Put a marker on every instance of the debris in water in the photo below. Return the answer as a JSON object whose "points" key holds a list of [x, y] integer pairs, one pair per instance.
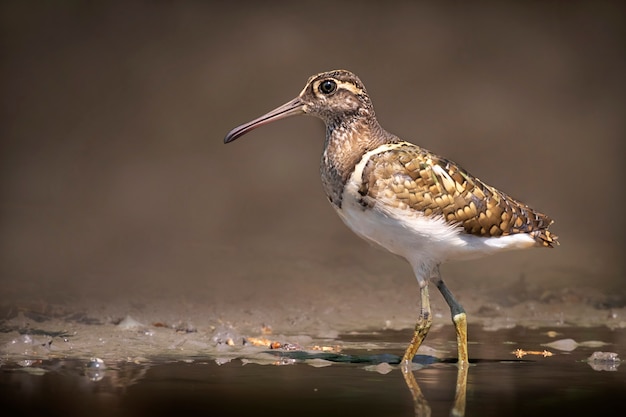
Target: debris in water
{"points": [[288, 346], [261, 341], [318, 363], [604, 361], [29, 362], [94, 370], [520, 353], [224, 337], [566, 345], [96, 363], [272, 344], [381, 368], [334, 349]]}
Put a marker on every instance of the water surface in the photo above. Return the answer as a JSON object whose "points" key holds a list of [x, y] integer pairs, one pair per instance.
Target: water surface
{"points": [[360, 380]]}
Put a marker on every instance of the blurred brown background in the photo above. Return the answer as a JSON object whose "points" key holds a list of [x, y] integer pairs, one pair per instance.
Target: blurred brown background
{"points": [[115, 184]]}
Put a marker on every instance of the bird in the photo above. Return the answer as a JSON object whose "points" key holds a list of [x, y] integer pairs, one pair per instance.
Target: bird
{"points": [[410, 201]]}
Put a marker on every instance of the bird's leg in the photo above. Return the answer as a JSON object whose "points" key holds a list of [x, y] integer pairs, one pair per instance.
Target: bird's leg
{"points": [[458, 318], [421, 327]]}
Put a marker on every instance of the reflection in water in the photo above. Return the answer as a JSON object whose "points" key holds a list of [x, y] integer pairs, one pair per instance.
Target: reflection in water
{"points": [[308, 383], [422, 409], [356, 381]]}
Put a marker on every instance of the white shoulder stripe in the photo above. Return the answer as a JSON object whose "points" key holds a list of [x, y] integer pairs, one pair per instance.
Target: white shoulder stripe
{"points": [[357, 175]]}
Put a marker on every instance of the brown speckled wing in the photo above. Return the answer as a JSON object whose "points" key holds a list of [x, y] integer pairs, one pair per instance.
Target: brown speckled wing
{"points": [[412, 178]]}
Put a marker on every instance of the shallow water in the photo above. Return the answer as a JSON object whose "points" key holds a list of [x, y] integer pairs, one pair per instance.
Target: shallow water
{"points": [[362, 379]]}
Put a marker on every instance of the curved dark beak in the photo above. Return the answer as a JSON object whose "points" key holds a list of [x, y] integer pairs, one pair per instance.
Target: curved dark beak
{"points": [[291, 108]]}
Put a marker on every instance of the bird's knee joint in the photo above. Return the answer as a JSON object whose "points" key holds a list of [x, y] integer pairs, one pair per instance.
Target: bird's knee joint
{"points": [[459, 317]]}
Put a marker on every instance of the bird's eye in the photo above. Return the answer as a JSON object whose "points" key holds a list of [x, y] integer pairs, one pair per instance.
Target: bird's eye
{"points": [[327, 87]]}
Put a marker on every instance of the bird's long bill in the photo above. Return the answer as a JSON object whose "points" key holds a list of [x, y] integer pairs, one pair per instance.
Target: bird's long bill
{"points": [[291, 108]]}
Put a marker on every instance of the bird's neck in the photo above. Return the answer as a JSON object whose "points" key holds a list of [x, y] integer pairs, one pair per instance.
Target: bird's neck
{"points": [[347, 140]]}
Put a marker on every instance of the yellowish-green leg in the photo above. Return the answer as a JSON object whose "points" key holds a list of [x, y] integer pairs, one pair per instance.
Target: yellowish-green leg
{"points": [[421, 330], [422, 409], [422, 326], [459, 319], [460, 325]]}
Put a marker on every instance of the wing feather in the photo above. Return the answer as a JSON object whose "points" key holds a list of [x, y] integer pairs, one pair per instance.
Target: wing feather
{"points": [[412, 178]]}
